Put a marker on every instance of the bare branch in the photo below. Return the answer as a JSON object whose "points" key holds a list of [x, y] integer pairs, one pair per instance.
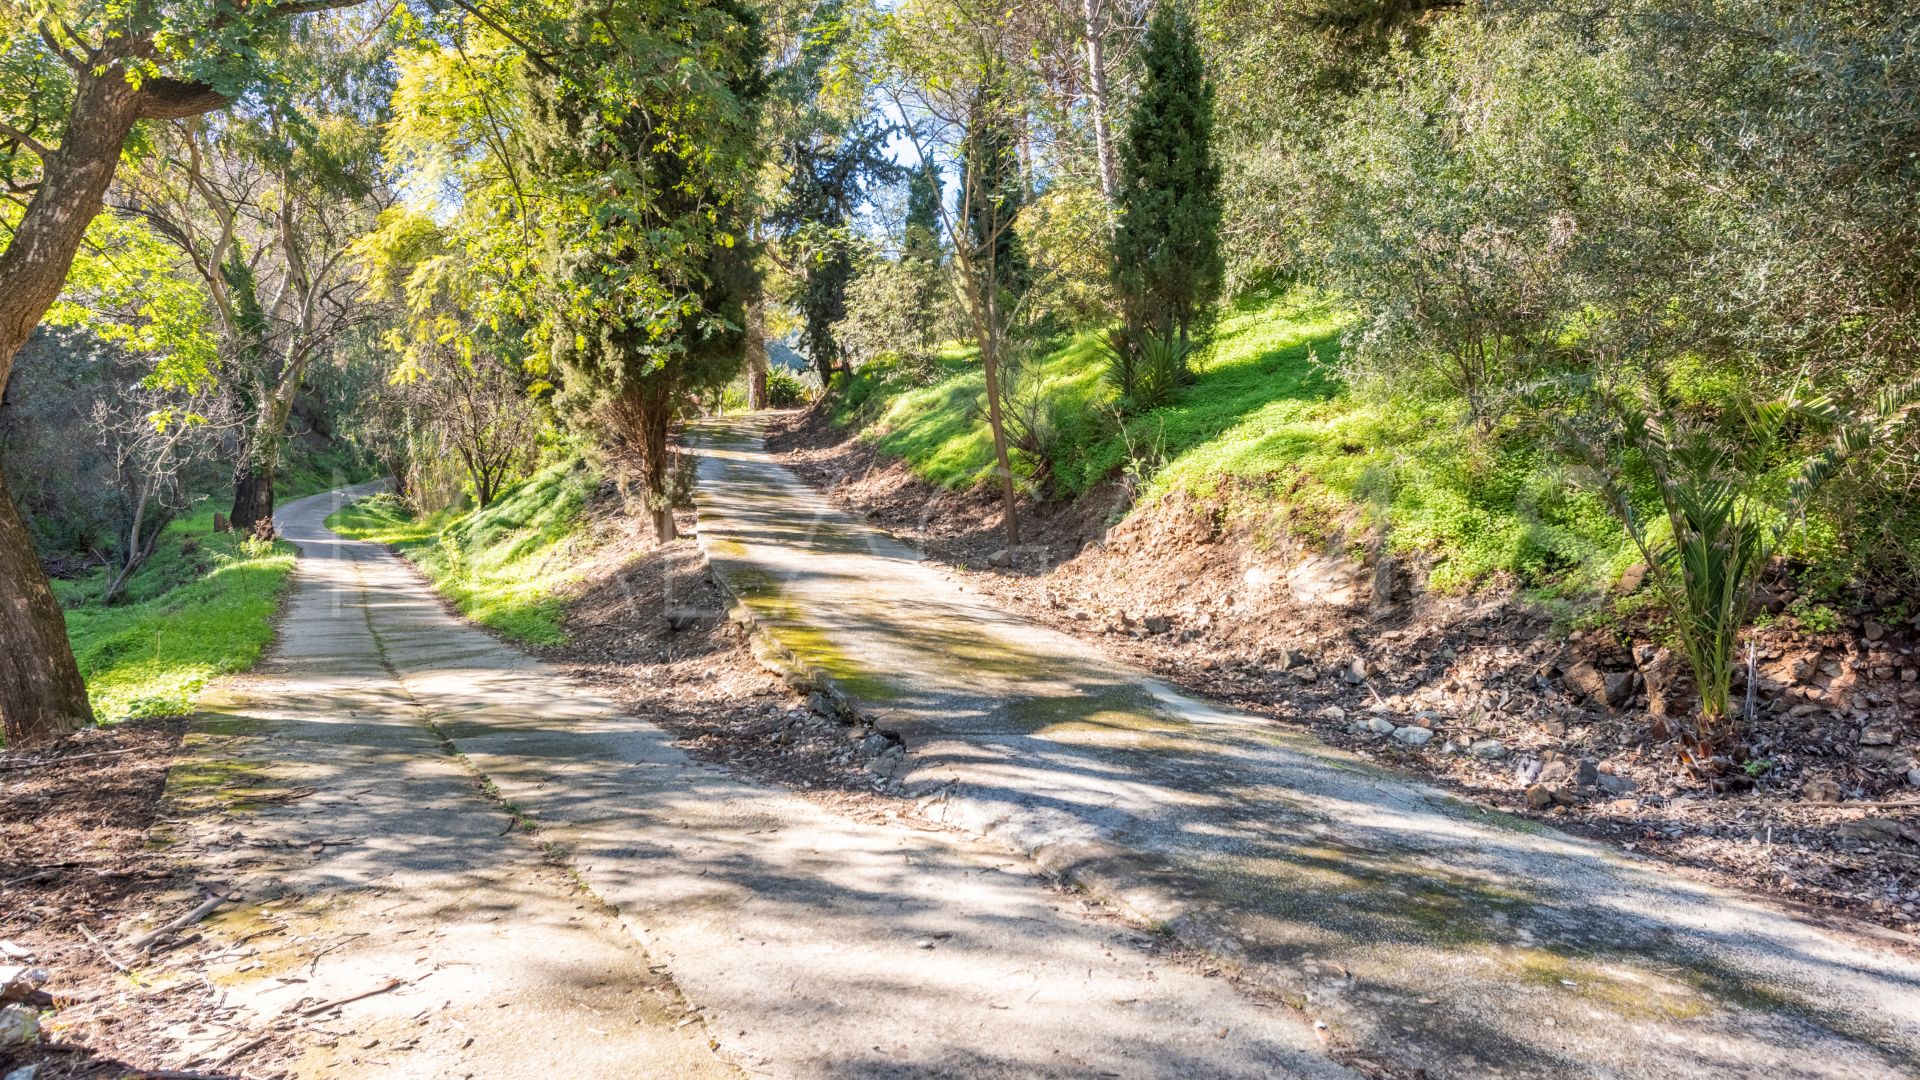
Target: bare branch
{"points": [[24, 139], [66, 55]]}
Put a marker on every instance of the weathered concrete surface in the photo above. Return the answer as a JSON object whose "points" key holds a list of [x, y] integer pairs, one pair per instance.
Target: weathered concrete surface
{"points": [[1424, 930], [811, 946], [362, 852]]}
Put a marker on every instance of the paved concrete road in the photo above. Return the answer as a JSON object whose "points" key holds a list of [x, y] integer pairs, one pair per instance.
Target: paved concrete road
{"points": [[808, 945], [1422, 929]]}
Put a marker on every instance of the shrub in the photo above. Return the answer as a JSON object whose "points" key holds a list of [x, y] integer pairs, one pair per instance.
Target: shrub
{"points": [[1731, 488], [786, 388], [1145, 370]]}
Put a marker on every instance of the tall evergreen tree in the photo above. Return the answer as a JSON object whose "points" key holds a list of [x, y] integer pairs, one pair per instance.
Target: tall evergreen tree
{"points": [[920, 238], [1167, 265], [833, 157], [996, 191], [920, 250], [644, 135]]}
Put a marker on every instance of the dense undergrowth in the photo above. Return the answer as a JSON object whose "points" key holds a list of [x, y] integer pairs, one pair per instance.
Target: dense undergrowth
{"points": [[1266, 424], [505, 566]]}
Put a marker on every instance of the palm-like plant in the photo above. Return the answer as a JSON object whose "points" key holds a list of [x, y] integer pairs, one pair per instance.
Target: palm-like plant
{"points": [[1146, 368], [1725, 522]]}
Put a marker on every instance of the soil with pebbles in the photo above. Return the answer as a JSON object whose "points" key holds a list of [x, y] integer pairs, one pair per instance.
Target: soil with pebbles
{"points": [[648, 627], [1272, 616]]}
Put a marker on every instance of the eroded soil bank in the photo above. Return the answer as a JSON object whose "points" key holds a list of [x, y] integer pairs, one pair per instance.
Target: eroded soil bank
{"points": [[1251, 613]]}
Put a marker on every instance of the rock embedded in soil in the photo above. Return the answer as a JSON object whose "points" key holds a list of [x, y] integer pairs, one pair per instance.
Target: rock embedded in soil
{"points": [[1413, 736], [1585, 682], [18, 981], [1587, 773], [1821, 789], [1619, 687], [1539, 796], [18, 1024], [1869, 830], [1490, 749], [1380, 725], [1618, 785]]}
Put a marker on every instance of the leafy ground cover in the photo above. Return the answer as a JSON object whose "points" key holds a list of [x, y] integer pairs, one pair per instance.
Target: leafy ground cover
{"points": [[505, 566], [1266, 422]]}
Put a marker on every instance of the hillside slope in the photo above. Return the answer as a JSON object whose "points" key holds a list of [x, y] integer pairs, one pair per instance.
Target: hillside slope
{"points": [[1267, 424], [1302, 551]]}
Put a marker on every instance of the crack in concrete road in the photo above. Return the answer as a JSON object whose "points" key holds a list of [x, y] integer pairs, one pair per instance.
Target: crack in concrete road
{"points": [[1426, 931], [803, 943]]}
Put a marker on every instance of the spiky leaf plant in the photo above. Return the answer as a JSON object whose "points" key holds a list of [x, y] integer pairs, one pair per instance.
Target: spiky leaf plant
{"points": [[1725, 519]]}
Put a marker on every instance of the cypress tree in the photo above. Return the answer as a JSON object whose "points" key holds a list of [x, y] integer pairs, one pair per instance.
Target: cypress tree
{"points": [[645, 183], [998, 191], [1167, 265], [920, 239], [920, 252]]}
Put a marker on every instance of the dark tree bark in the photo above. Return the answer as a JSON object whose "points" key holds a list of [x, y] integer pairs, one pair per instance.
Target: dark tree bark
{"points": [[642, 419], [252, 496], [41, 692], [756, 350]]}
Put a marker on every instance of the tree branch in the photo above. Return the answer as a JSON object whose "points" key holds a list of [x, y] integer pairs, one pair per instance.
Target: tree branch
{"points": [[162, 98], [26, 140], [66, 55]]}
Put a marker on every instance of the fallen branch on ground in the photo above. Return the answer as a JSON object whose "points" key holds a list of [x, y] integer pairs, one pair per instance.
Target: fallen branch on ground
{"points": [[206, 907], [315, 1010], [238, 1050], [104, 951], [6, 767]]}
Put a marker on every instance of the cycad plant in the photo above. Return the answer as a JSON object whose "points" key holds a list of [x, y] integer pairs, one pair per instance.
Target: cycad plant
{"points": [[1717, 481], [1145, 368]]}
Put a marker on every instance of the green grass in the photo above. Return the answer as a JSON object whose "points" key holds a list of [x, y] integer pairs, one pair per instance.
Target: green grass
{"points": [[1267, 428], [504, 567], [200, 608], [311, 472]]}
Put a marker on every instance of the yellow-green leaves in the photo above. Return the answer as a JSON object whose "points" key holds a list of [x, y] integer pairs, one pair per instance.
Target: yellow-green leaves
{"points": [[124, 289]]}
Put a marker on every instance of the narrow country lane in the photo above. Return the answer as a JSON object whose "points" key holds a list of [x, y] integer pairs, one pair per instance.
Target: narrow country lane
{"points": [[1423, 930], [335, 788]]}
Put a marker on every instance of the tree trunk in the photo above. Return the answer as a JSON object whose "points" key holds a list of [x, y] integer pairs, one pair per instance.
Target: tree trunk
{"points": [[1092, 13], [41, 692], [252, 495], [756, 349], [659, 473], [990, 362]]}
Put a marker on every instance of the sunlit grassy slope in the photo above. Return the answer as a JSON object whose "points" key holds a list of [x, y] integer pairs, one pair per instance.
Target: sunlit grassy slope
{"points": [[1266, 425], [203, 606], [503, 566]]}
